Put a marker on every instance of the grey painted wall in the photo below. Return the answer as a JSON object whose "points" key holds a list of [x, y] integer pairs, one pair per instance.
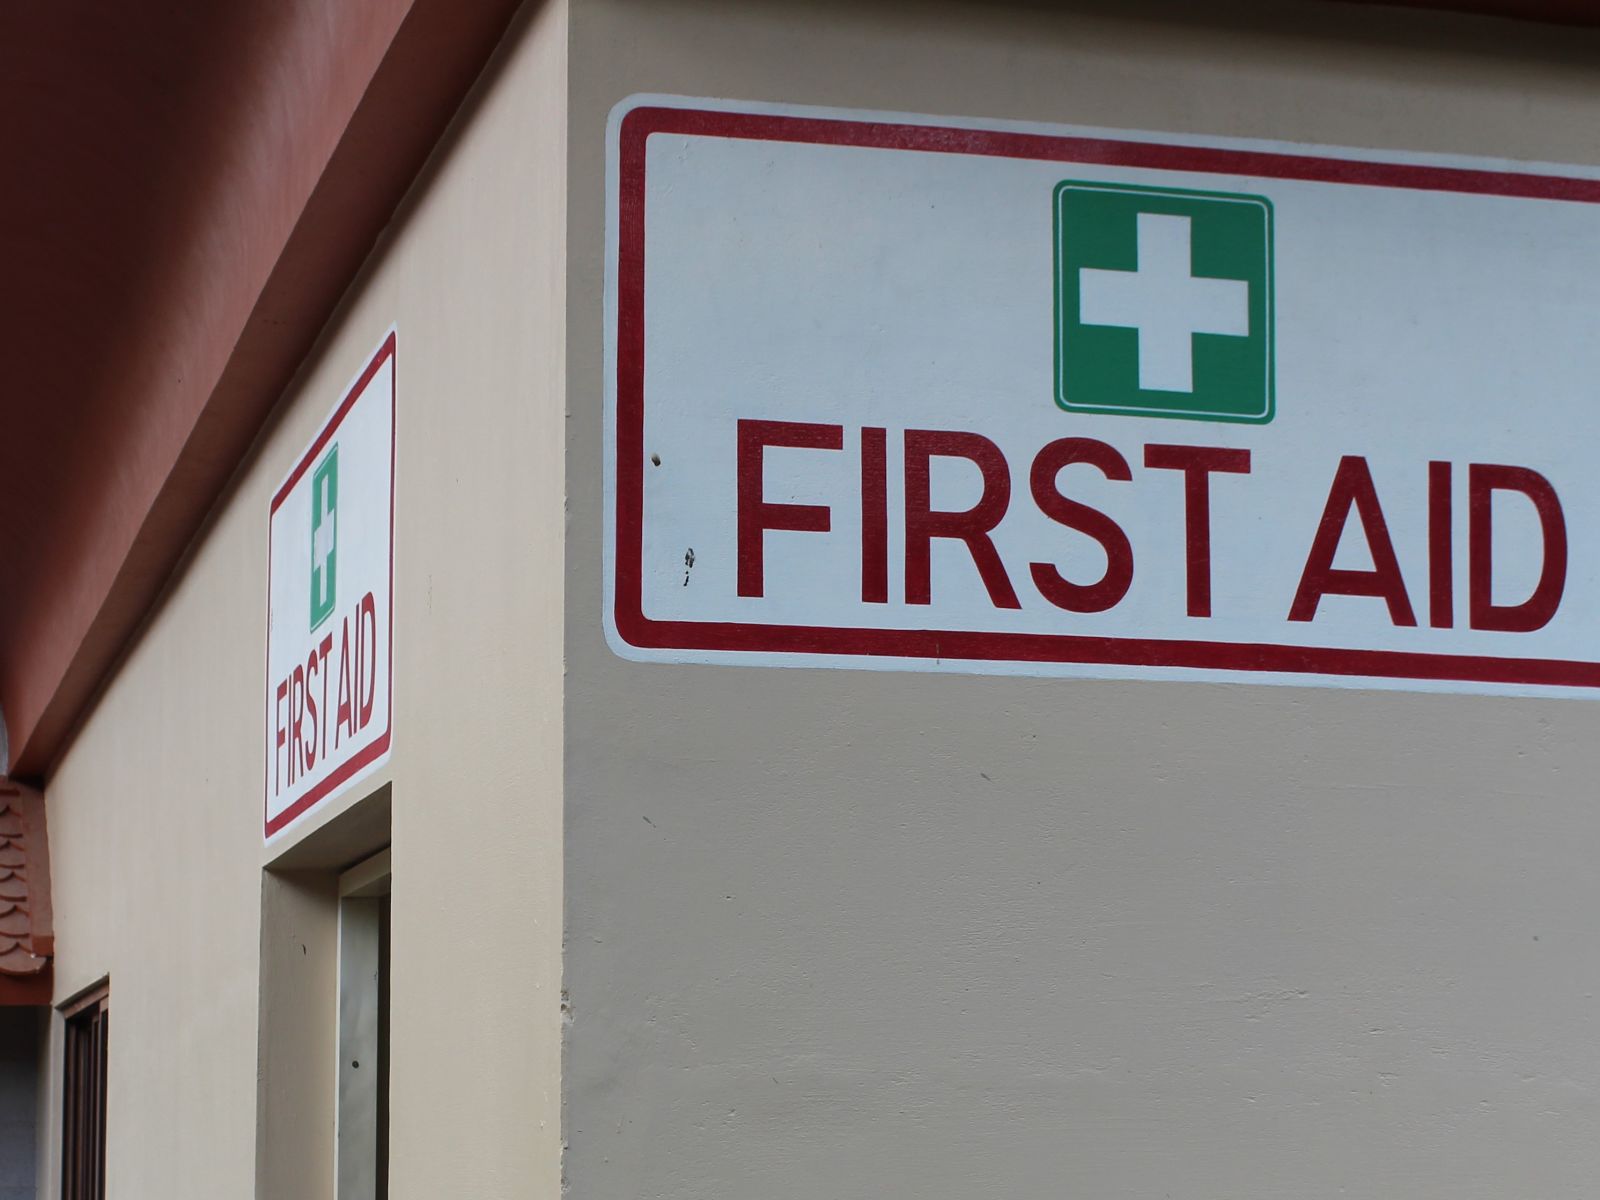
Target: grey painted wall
{"points": [[848, 934], [19, 1098]]}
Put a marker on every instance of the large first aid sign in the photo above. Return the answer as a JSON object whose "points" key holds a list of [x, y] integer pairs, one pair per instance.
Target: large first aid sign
{"points": [[911, 393], [330, 602]]}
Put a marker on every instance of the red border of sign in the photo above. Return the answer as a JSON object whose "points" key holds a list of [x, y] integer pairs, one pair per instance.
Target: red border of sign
{"points": [[640, 631], [379, 746]]}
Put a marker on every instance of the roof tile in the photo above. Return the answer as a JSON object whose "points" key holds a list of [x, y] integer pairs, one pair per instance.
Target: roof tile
{"points": [[15, 960], [26, 938]]}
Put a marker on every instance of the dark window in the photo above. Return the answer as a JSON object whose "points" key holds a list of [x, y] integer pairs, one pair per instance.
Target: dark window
{"points": [[83, 1125], [383, 1052]]}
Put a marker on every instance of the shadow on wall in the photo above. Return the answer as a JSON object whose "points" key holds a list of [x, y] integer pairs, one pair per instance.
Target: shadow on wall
{"points": [[19, 1065]]}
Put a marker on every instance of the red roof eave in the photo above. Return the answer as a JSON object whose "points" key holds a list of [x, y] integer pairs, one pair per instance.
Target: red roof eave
{"points": [[1551, 12], [203, 183]]}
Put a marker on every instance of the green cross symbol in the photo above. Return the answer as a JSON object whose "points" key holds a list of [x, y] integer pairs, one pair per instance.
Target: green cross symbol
{"points": [[1163, 302], [324, 536]]}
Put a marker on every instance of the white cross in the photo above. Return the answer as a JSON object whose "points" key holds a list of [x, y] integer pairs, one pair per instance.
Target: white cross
{"points": [[322, 541], [1165, 302]]}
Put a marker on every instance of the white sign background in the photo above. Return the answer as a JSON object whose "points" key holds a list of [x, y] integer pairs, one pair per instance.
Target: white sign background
{"points": [[362, 426], [817, 266]]}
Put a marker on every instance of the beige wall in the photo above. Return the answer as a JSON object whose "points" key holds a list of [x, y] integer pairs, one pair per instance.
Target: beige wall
{"points": [[947, 936], [478, 667], [881, 934], [155, 810]]}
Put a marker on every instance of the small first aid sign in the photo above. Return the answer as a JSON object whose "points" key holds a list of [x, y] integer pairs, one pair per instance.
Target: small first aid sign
{"points": [[330, 612], [929, 394]]}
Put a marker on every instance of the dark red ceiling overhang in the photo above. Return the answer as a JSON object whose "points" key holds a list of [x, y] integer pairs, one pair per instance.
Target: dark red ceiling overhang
{"points": [[1557, 12], [189, 190]]}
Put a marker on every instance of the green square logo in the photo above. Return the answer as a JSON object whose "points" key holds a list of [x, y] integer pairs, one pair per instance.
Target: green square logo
{"points": [[324, 537], [1163, 302]]}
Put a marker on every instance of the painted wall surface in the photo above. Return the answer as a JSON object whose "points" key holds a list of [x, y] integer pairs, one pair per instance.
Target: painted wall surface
{"points": [[155, 811], [19, 1087], [834, 932], [855, 934]]}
